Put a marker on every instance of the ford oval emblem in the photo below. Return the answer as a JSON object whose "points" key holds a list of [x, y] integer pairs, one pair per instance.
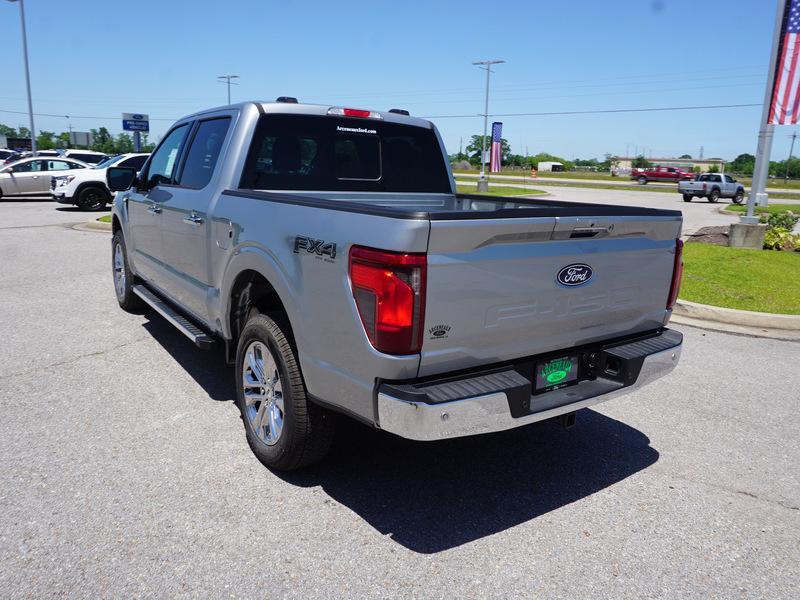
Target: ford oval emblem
{"points": [[572, 275]]}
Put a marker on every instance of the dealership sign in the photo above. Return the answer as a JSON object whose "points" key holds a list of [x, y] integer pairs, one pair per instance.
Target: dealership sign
{"points": [[135, 122]]}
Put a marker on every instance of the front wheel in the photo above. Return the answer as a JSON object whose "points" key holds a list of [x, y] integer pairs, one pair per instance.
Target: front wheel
{"points": [[284, 430], [92, 198], [739, 197], [687, 197], [713, 196], [123, 278], [642, 180]]}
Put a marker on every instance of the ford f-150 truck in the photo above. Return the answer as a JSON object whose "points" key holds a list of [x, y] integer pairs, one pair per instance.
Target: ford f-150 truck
{"points": [[670, 174], [327, 249], [712, 186]]}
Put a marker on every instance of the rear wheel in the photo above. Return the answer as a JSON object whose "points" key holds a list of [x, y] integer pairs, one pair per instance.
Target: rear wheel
{"points": [[687, 197], [713, 196], [739, 197], [284, 430], [92, 198], [642, 180]]}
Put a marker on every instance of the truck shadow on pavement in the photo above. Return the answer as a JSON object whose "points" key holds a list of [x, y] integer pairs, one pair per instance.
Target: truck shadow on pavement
{"points": [[433, 496]]}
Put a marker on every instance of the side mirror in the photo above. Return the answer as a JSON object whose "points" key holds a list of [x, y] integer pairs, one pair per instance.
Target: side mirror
{"points": [[120, 179]]}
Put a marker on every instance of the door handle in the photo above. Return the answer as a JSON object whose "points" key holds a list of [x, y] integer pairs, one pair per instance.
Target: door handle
{"points": [[154, 209], [193, 219]]}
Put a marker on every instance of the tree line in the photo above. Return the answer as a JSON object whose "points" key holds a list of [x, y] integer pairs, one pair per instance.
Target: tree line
{"points": [[102, 140]]}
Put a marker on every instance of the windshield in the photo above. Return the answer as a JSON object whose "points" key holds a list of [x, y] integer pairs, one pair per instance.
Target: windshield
{"points": [[294, 152], [108, 162]]}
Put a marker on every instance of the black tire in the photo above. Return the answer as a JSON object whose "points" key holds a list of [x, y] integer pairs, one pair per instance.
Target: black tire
{"points": [[739, 197], [307, 429], [92, 198], [128, 301], [642, 180], [687, 197], [713, 196]]}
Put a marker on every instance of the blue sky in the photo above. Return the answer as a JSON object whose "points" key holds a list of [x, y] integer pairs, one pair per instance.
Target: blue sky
{"points": [[99, 59]]}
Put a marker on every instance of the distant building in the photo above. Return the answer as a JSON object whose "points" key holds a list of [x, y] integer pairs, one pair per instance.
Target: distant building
{"points": [[625, 163], [547, 166]]}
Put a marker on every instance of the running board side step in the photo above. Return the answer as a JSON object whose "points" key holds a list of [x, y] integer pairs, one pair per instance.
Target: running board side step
{"points": [[200, 338]]}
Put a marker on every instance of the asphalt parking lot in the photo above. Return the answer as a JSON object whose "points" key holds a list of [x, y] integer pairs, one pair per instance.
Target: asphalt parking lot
{"points": [[124, 470]]}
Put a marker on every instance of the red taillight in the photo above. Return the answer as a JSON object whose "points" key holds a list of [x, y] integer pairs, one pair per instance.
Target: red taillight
{"points": [[389, 290], [356, 112], [677, 273]]}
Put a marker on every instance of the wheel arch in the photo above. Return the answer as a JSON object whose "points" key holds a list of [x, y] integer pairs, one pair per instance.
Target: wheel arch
{"points": [[86, 184], [251, 291]]}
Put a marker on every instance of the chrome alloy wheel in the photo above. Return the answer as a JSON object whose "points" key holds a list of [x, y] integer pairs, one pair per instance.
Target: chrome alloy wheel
{"points": [[119, 271], [263, 393]]}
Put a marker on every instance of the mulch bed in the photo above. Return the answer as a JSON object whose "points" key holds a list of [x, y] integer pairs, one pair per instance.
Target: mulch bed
{"points": [[711, 235]]}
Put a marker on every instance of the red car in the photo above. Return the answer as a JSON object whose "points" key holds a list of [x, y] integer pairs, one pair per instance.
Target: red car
{"points": [[671, 174]]}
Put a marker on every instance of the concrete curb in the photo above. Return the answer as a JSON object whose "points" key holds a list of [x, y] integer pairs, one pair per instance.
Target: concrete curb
{"points": [[93, 225], [732, 316]]}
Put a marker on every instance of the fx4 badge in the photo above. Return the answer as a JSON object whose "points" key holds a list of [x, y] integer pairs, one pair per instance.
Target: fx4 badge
{"points": [[319, 248]]}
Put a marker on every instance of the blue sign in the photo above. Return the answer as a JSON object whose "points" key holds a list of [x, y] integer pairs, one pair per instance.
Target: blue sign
{"points": [[135, 122]]}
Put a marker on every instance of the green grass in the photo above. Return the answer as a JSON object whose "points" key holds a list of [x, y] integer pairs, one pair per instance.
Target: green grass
{"points": [[499, 190], [106, 219], [759, 280], [771, 208]]}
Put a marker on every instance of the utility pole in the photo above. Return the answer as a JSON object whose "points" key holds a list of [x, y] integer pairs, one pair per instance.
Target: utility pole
{"points": [[791, 149], [27, 71], [227, 79], [483, 184]]}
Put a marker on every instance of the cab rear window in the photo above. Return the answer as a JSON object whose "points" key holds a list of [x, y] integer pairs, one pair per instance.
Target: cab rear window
{"points": [[316, 153]]}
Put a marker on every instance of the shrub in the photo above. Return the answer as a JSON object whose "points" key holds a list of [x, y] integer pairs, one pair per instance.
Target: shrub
{"points": [[783, 220], [780, 238]]}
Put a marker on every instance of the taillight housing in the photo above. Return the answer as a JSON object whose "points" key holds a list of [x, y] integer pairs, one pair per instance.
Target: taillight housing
{"points": [[677, 274], [389, 290]]}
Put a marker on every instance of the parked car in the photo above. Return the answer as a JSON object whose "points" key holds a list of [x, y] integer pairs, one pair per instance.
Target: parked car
{"points": [[8, 156], [712, 186], [31, 176], [88, 156], [327, 250], [87, 188], [48, 153], [670, 174]]}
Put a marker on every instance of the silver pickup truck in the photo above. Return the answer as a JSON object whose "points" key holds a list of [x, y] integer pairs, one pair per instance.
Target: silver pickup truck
{"points": [[712, 186], [326, 248]]}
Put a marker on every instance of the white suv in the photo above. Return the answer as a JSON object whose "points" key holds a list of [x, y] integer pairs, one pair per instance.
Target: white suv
{"points": [[87, 188]]}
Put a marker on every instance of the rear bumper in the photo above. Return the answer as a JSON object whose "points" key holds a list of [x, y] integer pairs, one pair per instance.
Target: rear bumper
{"points": [[416, 412]]}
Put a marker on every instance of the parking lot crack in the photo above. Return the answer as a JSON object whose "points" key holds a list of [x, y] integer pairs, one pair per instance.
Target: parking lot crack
{"points": [[74, 359]]}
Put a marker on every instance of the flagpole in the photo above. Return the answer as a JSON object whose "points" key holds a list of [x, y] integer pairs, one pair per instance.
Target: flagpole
{"points": [[766, 131]]}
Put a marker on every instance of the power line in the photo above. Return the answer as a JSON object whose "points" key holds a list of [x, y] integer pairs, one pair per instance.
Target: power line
{"points": [[595, 112], [118, 117]]}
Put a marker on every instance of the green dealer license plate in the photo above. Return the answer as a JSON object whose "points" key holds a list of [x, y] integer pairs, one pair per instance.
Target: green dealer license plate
{"points": [[556, 373]]}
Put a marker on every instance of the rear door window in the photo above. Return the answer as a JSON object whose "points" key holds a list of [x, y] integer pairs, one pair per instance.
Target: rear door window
{"points": [[57, 165], [299, 152], [203, 153]]}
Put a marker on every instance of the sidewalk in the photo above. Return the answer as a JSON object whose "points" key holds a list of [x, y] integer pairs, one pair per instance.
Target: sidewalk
{"points": [[620, 181]]}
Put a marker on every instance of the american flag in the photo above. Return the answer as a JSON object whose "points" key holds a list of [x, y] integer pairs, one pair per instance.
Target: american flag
{"points": [[497, 147], [786, 90]]}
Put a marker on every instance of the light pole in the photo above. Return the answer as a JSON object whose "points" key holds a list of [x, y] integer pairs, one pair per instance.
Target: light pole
{"points": [[483, 185], [27, 73], [227, 79]]}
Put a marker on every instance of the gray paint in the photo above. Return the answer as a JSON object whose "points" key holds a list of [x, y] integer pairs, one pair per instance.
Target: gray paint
{"points": [[491, 280]]}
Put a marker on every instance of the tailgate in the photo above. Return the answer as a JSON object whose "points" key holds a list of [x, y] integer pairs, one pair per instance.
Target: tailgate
{"points": [[500, 289]]}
